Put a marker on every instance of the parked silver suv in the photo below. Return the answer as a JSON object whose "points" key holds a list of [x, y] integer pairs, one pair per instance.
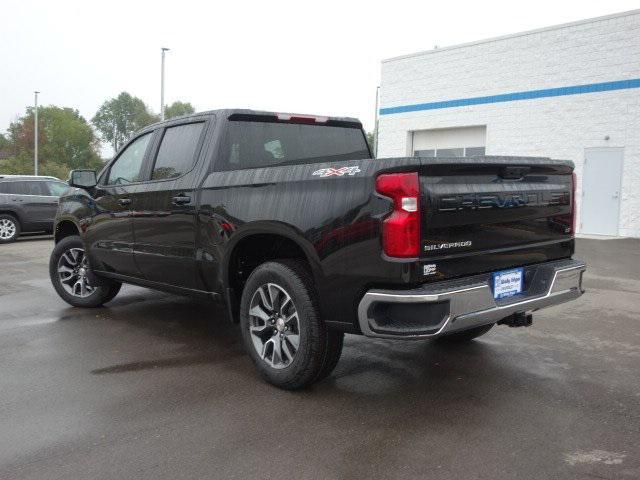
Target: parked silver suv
{"points": [[28, 204]]}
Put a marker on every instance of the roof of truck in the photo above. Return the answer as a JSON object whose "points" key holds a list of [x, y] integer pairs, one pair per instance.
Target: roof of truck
{"points": [[227, 112]]}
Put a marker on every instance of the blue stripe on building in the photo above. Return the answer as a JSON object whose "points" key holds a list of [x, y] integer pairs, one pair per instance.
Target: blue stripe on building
{"points": [[517, 96]]}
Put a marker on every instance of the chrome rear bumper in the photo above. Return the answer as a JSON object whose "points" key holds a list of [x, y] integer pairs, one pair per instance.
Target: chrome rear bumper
{"points": [[456, 305]]}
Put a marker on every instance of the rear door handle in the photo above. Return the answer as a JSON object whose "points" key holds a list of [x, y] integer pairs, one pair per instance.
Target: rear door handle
{"points": [[181, 199], [124, 202]]}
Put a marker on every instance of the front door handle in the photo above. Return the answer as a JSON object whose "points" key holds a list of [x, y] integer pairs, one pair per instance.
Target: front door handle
{"points": [[124, 202], [181, 199]]}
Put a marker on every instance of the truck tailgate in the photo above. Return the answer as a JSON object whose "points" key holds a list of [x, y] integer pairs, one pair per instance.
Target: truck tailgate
{"points": [[495, 212]]}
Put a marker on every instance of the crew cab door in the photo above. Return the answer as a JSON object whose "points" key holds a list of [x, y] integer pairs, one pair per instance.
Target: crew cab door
{"points": [[164, 211], [110, 234]]}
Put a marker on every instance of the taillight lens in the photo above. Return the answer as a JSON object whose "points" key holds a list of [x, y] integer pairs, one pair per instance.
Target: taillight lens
{"points": [[401, 229]]}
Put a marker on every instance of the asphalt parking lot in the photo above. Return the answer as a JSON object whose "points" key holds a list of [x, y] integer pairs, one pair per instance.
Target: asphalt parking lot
{"points": [[158, 386]]}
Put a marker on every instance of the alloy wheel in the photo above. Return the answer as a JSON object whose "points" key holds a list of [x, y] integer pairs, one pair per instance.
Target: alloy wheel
{"points": [[274, 325], [72, 272], [7, 229]]}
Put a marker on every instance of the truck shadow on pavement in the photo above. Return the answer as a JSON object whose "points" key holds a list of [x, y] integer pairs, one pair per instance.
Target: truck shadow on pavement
{"points": [[200, 334]]}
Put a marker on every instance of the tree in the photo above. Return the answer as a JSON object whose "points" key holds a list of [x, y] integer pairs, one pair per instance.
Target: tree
{"points": [[65, 141], [178, 109], [371, 140], [121, 116]]}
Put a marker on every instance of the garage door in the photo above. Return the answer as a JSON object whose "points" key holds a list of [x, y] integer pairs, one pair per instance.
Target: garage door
{"points": [[450, 142]]}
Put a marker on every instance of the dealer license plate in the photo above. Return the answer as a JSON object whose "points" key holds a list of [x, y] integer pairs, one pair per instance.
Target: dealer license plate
{"points": [[507, 283]]}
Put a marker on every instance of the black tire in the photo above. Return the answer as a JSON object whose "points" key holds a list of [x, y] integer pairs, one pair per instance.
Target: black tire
{"points": [[467, 335], [310, 359], [98, 296], [335, 341], [9, 224]]}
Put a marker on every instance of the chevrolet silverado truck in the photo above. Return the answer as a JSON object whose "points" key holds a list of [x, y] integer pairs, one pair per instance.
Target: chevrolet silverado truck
{"points": [[289, 221]]}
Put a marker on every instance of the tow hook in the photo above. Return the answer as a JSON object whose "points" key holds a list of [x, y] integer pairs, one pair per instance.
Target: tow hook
{"points": [[519, 319]]}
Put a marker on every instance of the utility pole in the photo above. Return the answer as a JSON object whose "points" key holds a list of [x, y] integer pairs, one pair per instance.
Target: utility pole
{"points": [[35, 136], [375, 128], [164, 49]]}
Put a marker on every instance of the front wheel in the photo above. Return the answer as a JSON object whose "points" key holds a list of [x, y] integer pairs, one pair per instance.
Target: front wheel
{"points": [[282, 331], [68, 269]]}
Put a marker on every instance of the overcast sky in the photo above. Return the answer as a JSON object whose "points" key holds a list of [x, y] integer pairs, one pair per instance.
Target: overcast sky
{"points": [[294, 56]]}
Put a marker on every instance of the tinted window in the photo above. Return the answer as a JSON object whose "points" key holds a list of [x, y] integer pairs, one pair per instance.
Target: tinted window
{"points": [[261, 144], [27, 188], [128, 166], [4, 187], [57, 188], [177, 152]]}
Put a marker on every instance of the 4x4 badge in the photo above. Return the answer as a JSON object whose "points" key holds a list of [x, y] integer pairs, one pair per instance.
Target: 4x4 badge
{"points": [[338, 172]]}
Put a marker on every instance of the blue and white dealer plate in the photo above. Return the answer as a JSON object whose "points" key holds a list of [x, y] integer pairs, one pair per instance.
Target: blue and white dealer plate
{"points": [[508, 283]]}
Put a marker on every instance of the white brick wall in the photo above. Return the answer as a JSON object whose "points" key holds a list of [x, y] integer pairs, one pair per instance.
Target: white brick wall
{"points": [[599, 50]]}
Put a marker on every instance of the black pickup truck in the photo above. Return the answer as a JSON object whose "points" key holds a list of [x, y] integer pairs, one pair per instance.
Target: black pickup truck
{"points": [[290, 222]]}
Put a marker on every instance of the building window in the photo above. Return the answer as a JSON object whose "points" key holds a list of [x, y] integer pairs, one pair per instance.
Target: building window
{"points": [[424, 153], [451, 152], [474, 151]]}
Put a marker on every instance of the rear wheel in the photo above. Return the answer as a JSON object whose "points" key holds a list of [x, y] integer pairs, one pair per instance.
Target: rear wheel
{"points": [[335, 341], [467, 335], [9, 228], [286, 339], [68, 269]]}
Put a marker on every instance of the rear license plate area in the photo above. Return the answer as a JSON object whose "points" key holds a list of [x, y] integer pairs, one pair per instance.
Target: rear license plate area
{"points": [[507, 283]]}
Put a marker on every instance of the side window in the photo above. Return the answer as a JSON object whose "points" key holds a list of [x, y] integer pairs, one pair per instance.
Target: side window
{"points": [[56, 189], [4, 187], [177, 152], [28, 188], [128, 166]]}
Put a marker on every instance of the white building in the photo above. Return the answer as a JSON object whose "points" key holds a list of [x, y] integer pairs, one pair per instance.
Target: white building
{"points": [[566, 92]]}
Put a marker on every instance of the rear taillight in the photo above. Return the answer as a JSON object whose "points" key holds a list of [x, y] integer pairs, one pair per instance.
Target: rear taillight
{"points": [[574, 180], [401, 229]]}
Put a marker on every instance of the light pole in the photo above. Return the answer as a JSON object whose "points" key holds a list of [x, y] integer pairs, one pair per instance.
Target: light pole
{"points": [[375, 125], [164, 49], [35, 136]]}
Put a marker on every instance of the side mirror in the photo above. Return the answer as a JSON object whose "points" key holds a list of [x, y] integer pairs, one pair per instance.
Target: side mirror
{"points": [[83, 178]]}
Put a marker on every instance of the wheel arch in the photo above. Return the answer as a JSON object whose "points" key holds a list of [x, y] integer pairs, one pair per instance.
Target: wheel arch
{"points": [[13, 213], [257, 244], [65, 228]]}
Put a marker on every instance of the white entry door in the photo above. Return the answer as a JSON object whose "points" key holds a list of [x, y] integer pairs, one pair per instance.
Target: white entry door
{"points": [[601, 184]]}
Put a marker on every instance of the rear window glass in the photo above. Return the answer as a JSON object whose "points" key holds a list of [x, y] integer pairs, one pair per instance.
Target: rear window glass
{"points": [[263, 144]]}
